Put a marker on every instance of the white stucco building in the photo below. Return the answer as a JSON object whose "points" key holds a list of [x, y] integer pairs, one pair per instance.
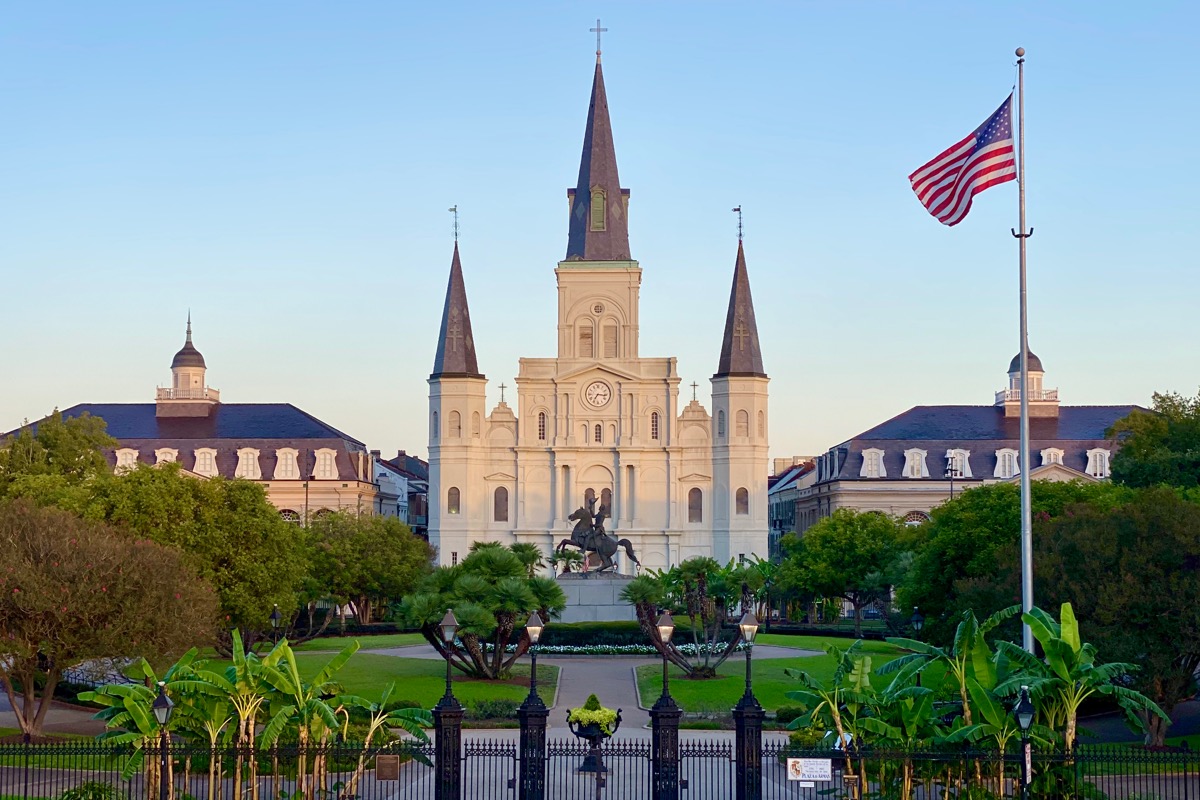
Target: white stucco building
{"points": [[597, 418]]}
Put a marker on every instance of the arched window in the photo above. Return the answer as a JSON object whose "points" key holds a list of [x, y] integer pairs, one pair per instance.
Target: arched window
{"points": [[915, 518], [247, 466], [433, 426], [762, 424], [598, 210], [742, 426], [654, 425], [475, 424], [326, 464], [127, 459], [541, 426], [287, 515], [695, 506], [610, 341], [455, 425], [587, 345], [742, 502], [721, 424], [589, 497], [598, 434], [606, 501], [452, 498], [500, 504]]}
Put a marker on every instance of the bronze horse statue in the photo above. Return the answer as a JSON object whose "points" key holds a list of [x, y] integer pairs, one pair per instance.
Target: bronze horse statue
{"points": [[590, 537]]}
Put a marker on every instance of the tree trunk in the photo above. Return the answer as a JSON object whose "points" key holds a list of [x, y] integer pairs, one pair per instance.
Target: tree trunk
{"points": [[1156, 729]]}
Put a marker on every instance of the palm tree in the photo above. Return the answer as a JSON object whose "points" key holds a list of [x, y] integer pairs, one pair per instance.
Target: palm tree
{"points": [[530, 555]]}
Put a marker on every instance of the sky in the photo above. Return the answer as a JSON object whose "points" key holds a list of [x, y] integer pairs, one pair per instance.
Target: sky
{"points": [[284, 171]]}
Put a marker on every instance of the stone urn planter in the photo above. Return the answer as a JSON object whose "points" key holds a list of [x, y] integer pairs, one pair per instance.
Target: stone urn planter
{"points": [[594, 724]]}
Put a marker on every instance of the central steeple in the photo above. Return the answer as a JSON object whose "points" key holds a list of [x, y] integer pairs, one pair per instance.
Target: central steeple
{"points": [[599, 229]]}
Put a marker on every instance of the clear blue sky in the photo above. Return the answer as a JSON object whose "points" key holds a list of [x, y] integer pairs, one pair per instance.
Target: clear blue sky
{"points": [[284, 170]]}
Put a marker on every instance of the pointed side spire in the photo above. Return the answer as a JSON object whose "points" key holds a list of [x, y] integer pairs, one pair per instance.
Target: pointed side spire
{"points": [[456, 346], [740, 353], [189, 327], [599, 229]]}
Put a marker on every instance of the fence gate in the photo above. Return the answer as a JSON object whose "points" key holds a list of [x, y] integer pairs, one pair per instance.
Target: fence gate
{"points": [[489, 770], [570, 772], [706, 770]]}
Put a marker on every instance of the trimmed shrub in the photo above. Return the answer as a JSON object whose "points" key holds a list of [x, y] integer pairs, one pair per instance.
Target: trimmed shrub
{"points": [[786, 714], [492, 709]]}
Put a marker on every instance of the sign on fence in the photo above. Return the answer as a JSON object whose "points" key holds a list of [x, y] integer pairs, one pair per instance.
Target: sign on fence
{"points": [[809, 769], [387, 768]]}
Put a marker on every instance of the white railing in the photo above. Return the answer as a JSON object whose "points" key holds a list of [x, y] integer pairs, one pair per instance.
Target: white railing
{"points": [[1014, 395], [188, 394]]}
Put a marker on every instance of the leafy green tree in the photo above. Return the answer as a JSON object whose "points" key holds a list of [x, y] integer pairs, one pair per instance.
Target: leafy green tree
{"points": [[71, 449], [1159, 447], [366, 559], [76, 590], [850, 555], [957, 551], [491, 594]]}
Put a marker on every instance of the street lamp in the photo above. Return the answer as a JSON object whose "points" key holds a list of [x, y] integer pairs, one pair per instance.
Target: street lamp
{"points": [[664, 725], [666, 629], [532, 715], [952, 473], [1024, 712], [162, 708], [449, 629], [447, 722], [533, 629], [276, 617], [916, 620], [748, 719]]}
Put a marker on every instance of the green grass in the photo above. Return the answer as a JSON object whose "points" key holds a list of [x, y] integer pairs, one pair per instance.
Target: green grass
{"points": [[819, 643], [771, 685], [423, 680], [336, 643]]}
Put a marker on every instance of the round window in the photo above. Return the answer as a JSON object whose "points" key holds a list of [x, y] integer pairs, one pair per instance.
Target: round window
{"points": [[598, 308]]}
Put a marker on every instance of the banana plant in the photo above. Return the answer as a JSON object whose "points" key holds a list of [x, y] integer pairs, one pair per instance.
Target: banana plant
{"points": [[412, 721], [1069, 674], [838, 704], [903, 716]]}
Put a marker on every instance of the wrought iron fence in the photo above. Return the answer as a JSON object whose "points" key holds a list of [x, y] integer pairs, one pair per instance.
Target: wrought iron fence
{"points": [[490, 771]]}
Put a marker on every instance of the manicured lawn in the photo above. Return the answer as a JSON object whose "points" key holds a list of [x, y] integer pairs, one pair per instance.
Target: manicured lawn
{"points": [[424, 680], [336, 643], [771, 685], [819, 643]]}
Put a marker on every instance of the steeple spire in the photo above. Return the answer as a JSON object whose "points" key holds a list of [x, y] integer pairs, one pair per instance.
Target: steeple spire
{"points": [[599, 229], [188, 355], [740, 353], [456, 346]]}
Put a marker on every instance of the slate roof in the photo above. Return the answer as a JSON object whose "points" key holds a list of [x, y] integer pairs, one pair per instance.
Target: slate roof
{"points": [[982, 430], [456, 344], [227, 421], [598, 169], [740, 351]]}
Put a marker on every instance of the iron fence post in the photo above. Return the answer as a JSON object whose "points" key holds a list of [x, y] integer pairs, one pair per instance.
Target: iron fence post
{"points": [[447, 724], [664, 739], [748, 721], [532, 715]]}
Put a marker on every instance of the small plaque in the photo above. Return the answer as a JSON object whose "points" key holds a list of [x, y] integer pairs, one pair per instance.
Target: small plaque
{"points": [[849, 781], [387, 768], [809, 769]]}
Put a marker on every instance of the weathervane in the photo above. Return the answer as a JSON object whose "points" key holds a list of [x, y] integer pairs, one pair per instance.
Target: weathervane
{"points": [[738, 209], [454, 210], [598, 30]]}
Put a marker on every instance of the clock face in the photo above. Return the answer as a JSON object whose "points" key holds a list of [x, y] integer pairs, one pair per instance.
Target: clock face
{"points": [[597, 393]]}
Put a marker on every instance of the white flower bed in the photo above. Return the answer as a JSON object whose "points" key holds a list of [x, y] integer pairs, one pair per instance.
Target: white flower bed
{"points": [[621, 649]]}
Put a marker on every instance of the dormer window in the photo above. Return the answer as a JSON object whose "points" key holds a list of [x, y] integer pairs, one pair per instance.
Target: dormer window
{"points": [[1007, 464], [206, 462], [599, 209], [872, 466], [1097, 463], [326, 468], [958, 463], [247, 466], [1051, 455], [914, 464], [166, 455], [285, 464], [126, 459]]}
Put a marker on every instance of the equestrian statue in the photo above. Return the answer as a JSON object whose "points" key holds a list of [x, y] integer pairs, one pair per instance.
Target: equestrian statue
{"points": [[590, 537]]}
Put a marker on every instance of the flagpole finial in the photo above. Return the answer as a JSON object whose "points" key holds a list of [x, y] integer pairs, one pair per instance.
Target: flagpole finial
{"points": [[1020, 52]]}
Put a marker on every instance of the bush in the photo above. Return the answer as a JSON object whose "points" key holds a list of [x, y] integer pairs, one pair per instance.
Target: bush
{"points": [[786, 714], [807, 739], [492, 709], [92, 790], [580, 634]]}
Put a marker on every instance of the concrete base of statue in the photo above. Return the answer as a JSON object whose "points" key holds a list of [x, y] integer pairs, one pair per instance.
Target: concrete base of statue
{"points": [[595, 597]]}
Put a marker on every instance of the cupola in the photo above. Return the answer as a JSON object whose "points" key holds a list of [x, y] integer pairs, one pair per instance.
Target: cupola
{"points": [[187, 396], [1042, 402]]}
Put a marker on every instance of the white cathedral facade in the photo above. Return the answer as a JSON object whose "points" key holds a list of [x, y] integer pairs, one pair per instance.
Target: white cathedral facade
{"points": [[598, 420]]}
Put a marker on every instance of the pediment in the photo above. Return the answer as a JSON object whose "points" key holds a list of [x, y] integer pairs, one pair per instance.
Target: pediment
{"points": [[1058, 473], [598, 371], [693, 477], [499, 476]]}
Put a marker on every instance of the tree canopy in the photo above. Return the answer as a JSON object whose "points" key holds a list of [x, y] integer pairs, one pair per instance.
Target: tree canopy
{"points": [[76, 590], [72, 450], [1159, 447], [849, 554]]}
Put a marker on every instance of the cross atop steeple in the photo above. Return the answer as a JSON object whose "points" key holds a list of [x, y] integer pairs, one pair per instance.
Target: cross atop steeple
{"points": [[598, 30], [694, 386], [502, 388]]}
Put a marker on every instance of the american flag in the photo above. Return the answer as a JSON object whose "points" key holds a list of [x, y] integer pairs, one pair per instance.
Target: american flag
{"points": [[985, 158]]}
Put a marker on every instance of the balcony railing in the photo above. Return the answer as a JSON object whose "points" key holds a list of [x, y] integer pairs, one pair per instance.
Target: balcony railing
{"points": [[188, 394], [1014, 395]]}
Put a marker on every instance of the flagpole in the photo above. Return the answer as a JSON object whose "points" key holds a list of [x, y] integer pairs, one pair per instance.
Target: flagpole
{"points": [[1026, 506]]}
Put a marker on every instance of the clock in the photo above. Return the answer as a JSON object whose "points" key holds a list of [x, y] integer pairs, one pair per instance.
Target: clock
{"points": [[597, 394]]}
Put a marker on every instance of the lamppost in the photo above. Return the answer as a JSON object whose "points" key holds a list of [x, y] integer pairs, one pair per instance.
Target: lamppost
{"points": [[664, 726], [162, 708], [747, 720], [447, 722], [952, 473], [532, 715], [918, 622], [1024, 712], [276, 617]]}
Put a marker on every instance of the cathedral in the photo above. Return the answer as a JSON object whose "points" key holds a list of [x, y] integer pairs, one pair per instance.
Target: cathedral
{"points": [[598, 423]]}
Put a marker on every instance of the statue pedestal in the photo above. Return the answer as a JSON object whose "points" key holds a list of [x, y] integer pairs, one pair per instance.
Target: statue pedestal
{"points": [[595, 597]]}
